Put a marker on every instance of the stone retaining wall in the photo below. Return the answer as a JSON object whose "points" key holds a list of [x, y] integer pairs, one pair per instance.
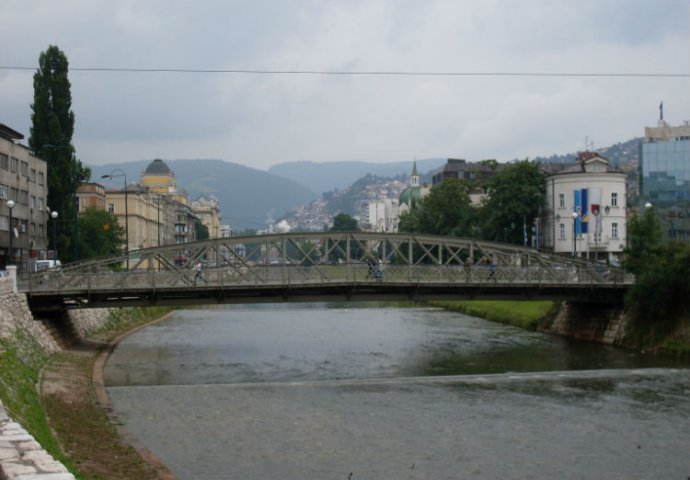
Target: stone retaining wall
{"points": [[591, 322], [21, 457]]}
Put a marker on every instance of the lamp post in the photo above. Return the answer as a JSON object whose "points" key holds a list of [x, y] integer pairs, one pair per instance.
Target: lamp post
{"points": [[575, 216], [54, 216], [10, 206], [114, 174]]}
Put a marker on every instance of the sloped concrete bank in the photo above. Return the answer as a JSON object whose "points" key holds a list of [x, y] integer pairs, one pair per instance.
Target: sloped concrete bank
{"points": [[28, 447], [590, 322]]}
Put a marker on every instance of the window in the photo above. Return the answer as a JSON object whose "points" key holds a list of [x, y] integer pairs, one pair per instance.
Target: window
{"points": [[3, 191], [41, 204], [111, 208], [25, 169], [14, 194], [4, 162], [562, 229], [4, 223], [41, 177], [614, 199], [24, 197], [32, 202], [561, 200], [32, 175], [14, 164], [614, 230]]}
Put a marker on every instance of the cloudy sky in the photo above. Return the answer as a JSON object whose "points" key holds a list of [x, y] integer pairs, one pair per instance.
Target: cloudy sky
{"points": [[262, 119]]}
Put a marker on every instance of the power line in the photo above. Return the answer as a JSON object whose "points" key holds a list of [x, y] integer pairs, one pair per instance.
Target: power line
{"points": [[392, 73]]}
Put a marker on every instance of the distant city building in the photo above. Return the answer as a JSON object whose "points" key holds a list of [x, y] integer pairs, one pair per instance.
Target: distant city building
{"points": [[596, 193], [379, 215], [208, 211], [665, 177], [225, 231], [23, 180], [413, 194], [477, 175]]}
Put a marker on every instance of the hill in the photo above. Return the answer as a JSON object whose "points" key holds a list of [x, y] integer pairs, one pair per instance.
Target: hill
{"points": [[247, 196], [324, 177]]}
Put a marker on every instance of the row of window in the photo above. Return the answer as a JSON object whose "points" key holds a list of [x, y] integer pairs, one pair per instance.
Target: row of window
{"points": [[21, 197], [14, 165], [614, 232], [614, 199], [21, 226]]}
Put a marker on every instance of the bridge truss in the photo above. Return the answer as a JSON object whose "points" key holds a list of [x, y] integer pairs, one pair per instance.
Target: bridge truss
{"points": [[321, 265]]}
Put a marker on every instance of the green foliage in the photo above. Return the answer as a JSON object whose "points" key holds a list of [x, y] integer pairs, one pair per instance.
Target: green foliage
{"points": [[660, 298], [201, 230], [99, 234], [445, 211], [344, 223], [644, 236], [52, 127], [516, 195]]}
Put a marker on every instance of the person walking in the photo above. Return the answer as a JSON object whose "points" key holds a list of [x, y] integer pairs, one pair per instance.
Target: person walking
{"points": [[199, 273]]}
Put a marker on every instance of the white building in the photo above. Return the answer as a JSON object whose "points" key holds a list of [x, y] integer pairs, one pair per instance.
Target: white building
{"points": [[379, 214], [585, 210]]}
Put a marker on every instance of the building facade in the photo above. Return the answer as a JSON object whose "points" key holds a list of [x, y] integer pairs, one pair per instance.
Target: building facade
{"points": [[24, 186], [208, 211], [665, 177], [91, 195], [585, 212], [379, 215]]}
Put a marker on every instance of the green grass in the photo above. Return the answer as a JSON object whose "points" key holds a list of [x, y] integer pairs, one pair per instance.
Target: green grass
{"points": [[523, 314], [20, 364]]}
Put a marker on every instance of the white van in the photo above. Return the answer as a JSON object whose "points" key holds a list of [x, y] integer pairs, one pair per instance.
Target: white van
{"points": [[47, 264]]}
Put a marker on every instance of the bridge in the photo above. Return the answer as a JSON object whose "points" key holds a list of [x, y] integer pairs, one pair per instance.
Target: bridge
{"points": [[322, 266]]}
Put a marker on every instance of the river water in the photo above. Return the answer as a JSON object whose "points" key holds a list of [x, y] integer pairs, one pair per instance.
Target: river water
{"points": [[345, 391]]}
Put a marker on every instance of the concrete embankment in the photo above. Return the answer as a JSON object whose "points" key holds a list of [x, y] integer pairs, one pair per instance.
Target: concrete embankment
{"points": [[28, 448]]}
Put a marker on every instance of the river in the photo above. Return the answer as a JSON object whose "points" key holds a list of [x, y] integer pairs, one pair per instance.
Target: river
{"points": [[346, 391]]}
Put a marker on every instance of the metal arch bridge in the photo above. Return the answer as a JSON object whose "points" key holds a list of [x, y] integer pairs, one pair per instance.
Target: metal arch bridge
{"points": [[322, 266]]}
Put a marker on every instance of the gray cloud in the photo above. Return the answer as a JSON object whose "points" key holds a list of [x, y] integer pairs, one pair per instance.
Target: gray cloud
{"points": [[260, 120]]}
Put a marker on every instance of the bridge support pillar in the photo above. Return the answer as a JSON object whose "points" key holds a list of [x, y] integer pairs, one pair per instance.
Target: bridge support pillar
{"points": [[12, 273]]}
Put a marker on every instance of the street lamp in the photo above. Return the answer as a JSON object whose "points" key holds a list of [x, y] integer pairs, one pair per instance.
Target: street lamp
{"points": [[10, 206], [575, 216], [54, 216], [114, 174]]}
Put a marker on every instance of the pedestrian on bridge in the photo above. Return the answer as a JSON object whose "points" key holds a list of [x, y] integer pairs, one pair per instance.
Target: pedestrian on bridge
{"points": [[199, 273]]}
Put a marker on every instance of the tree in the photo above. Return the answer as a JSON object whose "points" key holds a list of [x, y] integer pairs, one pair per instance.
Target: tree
{"points": [[344, 223], [447, 210], [201, 230], [52, 127], [99, 234], [516, 195], [644, 236]]}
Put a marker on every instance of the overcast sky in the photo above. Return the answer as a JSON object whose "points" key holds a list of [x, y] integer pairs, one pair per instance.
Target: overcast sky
{"points": [[259, 120]]}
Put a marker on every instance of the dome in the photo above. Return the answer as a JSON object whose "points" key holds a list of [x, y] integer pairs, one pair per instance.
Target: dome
{"points": [[158, 167], [410, 196]]}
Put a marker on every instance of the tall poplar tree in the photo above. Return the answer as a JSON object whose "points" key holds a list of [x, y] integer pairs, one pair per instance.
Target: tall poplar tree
{"points": [[52, 127]]}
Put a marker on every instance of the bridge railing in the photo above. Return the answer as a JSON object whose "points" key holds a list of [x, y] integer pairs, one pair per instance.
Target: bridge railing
{"points": [[285, 275]]}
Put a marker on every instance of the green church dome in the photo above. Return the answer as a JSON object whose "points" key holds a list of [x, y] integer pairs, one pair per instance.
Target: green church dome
{"points": [[410, 196]]}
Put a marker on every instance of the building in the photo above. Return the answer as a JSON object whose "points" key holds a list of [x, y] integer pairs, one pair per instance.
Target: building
{"points": [[585, 212], [153, 212], [413, 194], [665, 177], [476, 175], [208, 211], [379, 214], [91, 195], [24, 186]]}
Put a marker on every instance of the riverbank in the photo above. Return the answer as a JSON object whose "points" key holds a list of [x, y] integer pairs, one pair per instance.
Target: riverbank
{"points": [[49, 390], [76, 406], [523, 314]]}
